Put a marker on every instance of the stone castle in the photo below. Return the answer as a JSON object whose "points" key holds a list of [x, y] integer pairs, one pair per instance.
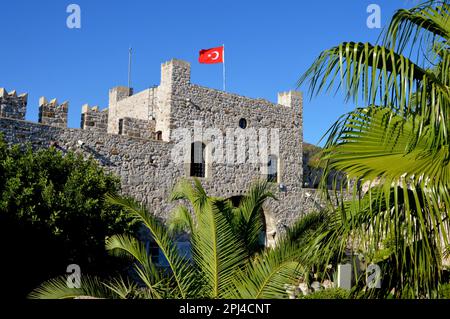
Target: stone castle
{"points": [[137, 136]]}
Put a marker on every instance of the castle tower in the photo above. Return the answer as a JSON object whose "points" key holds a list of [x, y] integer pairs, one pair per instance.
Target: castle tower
{"points": [[119, 93], [175, 73], [175, 78], [13, 106], [52, 113], [292, 99]]}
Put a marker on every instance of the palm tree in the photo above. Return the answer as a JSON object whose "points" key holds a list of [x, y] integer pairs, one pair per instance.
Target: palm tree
{"points": [[246, 220], [225, 263], [397, 145]]}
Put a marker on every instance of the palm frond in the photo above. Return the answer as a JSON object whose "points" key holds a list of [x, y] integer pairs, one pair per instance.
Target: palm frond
{"points": [[192, 192], [123, 289], [179, 266], [369, 138], [216, 250], [268, 275], [125, 245], [181, 220], [304, 227], [58, 288], [248, 221], [421, 23]]}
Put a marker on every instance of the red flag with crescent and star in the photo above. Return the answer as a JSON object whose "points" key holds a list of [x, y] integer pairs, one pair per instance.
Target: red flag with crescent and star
{"points": [[211, 56]]}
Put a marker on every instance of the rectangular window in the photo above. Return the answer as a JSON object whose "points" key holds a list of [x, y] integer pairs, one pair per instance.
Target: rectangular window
{"points": [[82, 121], [120, 126], [198, 165], [272, 169]]}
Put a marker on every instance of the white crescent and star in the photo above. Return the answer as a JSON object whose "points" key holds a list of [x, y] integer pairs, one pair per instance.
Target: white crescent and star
{"points": [[216, 55]]}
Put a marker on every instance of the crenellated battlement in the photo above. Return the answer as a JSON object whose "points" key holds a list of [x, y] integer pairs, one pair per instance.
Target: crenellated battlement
{"points": [[290, 99], [13, 105], [94, 119], [53, 113]]}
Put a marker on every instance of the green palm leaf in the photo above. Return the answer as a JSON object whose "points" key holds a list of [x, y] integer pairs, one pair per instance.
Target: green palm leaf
{"points": [[180, 268], [248, 217], [57, 288], [268, 275], [216, 250], [429, 19], [124, 245]]}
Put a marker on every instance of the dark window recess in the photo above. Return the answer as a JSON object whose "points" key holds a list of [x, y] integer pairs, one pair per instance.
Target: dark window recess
{"points": [[158, 136], [120, 126], [243, 123], [82, 121], [272, 169], [198, 159]]}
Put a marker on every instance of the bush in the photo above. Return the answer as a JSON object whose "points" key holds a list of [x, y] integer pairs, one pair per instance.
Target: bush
{"points": [[52, 214], [444, 291], [332, 293]]}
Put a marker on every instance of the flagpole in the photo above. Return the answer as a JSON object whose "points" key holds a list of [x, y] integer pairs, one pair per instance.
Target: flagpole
{"points": [[129, 67], [223, 65]]}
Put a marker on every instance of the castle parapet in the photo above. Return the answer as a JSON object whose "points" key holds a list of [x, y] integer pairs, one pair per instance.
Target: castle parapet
{"points": [[292, 99], [137, 128], [175, 73], [52, 113], [119, 93], [13, 106], [93, 119]]}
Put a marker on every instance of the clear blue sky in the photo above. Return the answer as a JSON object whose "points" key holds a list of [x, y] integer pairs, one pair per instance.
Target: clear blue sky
{"points": [[269, 44]]}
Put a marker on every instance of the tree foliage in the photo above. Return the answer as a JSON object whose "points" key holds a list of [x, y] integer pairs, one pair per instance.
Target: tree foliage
{"points": [[397, 144], [52, 208]]}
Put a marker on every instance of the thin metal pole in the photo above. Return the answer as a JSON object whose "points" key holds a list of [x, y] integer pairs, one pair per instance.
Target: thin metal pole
{"points": [[129, 68], [223, 64]]}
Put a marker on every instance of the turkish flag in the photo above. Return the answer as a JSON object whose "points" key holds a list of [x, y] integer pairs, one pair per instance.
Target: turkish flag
{"points": [[211, 56]]}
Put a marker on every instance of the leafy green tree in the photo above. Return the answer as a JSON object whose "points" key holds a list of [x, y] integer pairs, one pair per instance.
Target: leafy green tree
{"points": [[398, 145], [223, 264], [52, 207]]}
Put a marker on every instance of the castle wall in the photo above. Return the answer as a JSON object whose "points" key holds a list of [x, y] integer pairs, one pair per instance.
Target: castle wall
{"points": [[192, 105], [52, 113], [138, 106], [185, 113], [138, 128], [94, 120], [143, 166], [147, 170], [11, 105]]}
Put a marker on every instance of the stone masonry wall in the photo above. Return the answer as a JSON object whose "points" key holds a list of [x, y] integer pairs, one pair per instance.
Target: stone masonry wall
{"points": [[221, 110], [138, 128], [144, 166], [11, 105], [94, 120], [52, 113], [138, 106]]}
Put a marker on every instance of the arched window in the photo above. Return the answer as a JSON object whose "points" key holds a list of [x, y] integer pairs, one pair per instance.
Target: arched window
{"points": [[243, 123], [158, 136], [272, 169], [198, 166]]}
